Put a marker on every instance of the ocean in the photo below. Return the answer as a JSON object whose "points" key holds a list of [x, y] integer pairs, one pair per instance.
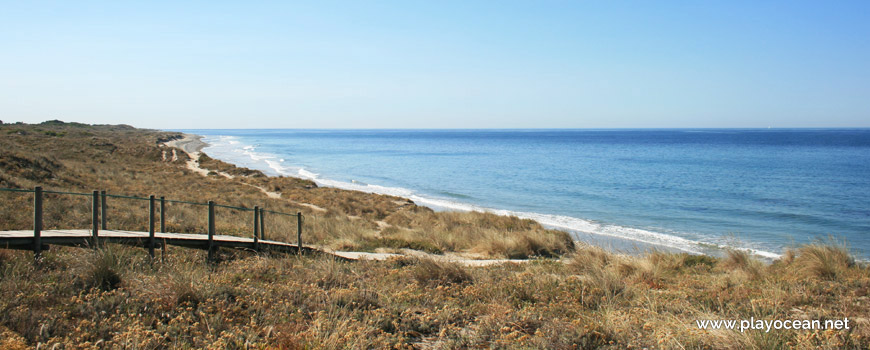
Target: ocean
{"points": [[700, 191]]}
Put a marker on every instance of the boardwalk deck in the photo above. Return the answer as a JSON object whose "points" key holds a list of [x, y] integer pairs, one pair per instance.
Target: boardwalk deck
{"points": [[23, 239]]}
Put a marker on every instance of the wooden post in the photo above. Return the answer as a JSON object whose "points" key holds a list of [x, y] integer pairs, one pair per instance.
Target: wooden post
{"points": [[210, 231], [162, 214], [299, 232], [103, 209], [262, 223], [151, 227], [256, 228], [95, 219], [37, 223]]}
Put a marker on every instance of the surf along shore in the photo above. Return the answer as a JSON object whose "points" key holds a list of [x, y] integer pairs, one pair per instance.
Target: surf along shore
{"points": [[193, 145], [568, 295]]}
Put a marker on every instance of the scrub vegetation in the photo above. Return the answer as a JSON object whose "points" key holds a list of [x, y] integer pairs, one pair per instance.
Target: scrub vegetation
{"points": [[123, 160], [567, 295]]}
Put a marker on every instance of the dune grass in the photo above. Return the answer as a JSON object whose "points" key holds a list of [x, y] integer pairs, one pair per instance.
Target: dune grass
{"points": [[128, 161], [114, 297]]}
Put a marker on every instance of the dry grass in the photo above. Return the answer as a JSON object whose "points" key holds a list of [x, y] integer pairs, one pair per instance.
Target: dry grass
{"points": [[824, 261], [115, 298], [125, 160], [482, 233], [431, 272], [743, 262], [595, 300]]}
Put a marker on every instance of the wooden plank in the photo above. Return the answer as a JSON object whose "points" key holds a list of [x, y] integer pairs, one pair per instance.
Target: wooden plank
{"points": [[211, 231], [151, 242], [299, 230], [17, 239], [37, 223], [95, 219], [103, 209], [256, 228]]}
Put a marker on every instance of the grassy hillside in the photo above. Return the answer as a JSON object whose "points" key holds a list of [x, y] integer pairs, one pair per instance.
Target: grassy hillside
{"points": [[124, 160], [116, 298]]}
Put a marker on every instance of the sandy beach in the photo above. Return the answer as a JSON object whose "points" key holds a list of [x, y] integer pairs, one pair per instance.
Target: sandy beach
{"points": [[190, 143]]}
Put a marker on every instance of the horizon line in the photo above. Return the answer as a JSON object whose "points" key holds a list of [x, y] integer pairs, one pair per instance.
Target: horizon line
{"points": [[543, 129]]}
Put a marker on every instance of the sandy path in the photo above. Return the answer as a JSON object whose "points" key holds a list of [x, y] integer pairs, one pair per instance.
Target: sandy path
{"points": [[189, 144], [448, 258], [193, 145]]}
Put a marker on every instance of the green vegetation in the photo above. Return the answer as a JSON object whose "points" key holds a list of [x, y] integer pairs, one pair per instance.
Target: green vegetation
{"points": [[566, 296]]}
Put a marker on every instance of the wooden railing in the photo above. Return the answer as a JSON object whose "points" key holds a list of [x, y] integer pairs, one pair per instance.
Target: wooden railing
{"points": [[99, 221]]}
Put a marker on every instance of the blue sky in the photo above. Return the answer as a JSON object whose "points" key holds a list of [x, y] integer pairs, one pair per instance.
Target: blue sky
{"points": [[437, 64]]}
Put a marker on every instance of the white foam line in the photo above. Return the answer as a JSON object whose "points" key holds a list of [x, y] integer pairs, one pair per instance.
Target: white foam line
{"points": [[578, 225], [571, 224]]}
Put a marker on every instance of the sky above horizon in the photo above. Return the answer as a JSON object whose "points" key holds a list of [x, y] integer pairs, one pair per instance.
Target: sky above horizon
{"points": [[437, 64]]}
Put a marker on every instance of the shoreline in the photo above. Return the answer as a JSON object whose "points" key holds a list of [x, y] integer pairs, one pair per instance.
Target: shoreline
{"points": [[193, 145], [597, 234], [190, 143]]}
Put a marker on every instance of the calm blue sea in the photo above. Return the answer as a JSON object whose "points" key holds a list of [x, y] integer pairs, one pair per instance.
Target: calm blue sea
{"points": [[689, 190]]}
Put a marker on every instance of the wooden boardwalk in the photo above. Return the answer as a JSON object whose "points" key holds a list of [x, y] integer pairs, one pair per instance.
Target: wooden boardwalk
{"points": [[39, 239], [23, 239]]}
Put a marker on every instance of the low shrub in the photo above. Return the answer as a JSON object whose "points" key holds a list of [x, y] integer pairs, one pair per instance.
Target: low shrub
{"points": [[430, 272]]}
